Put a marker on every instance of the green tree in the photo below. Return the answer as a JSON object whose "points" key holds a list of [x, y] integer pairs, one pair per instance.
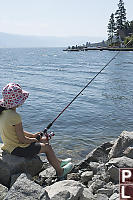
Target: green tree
{"points": [[131, 27], [111, 28], [120, 16]]}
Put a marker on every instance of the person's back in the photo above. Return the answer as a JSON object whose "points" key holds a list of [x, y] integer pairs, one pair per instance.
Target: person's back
{"points": [[8, 119]]}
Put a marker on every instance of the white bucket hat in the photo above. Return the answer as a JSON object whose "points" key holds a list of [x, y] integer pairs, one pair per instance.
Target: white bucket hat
{"points": [[13, 95]]}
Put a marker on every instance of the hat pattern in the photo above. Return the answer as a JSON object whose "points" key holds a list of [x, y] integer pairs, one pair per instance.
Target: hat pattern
{"points": [[13, 95]]}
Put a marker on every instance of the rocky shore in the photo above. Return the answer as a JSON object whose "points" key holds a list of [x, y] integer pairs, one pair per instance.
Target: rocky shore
{"points": [[94, 178]]}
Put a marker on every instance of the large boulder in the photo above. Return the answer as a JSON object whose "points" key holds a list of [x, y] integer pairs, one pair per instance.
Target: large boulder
{"points": [[3, 191], [121, 162], [26, 189], [99, 154], [10, 164], [64, 190], [124, 141]]}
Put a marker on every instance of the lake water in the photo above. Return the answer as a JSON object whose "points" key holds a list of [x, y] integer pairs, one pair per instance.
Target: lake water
{"points": [[53, 77]]}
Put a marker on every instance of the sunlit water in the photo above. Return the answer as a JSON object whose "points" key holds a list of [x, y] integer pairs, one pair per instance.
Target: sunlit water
{"points": [[54, 77]]}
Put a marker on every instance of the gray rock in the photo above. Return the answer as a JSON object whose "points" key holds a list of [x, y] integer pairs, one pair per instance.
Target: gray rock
{"points": [[20, 164], [129, 152], [4, 174], [102, 197], [87, 195], [48, 173], [124, 141], [115, 196], [3, 191], [116, 188], [121, 162], [72, 189], [100, 154], [94, 166], [114, 173], [14, 178], [26, 189], [73, 176], [96, 185], [106, 191], [86, 176], [10, 164]]}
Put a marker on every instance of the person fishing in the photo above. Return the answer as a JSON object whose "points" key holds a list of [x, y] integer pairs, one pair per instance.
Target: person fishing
{"points": [[19, 142]]}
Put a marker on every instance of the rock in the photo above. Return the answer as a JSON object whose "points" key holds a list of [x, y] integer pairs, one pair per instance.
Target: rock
{"points": [[121, 162], [87, 195], [26, 189], [20, 164], [102, 197], [129, 152], [3, 192], [114, 173], [4, 174], [48, 173], [115, 196], [106, 191], [86, 176], [64, 190], [73, 176], [94, 166], [14, 178], [96, 185], [116, 188], [10, 164], [124, 141], [100, 154]]}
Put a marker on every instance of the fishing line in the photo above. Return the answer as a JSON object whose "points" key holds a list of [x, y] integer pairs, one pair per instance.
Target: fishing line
{"points": [[44, 132]]}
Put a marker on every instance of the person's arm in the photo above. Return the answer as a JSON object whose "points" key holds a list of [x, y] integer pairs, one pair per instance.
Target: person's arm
{"points": [[22, 137], [31, 135]]}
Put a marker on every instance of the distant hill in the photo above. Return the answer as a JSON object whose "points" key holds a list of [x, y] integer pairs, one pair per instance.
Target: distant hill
{"points": [[14, 41]]}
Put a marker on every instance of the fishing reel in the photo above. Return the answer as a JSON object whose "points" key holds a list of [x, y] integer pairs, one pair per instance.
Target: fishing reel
{"points": [[46, 134], [49, 135]]}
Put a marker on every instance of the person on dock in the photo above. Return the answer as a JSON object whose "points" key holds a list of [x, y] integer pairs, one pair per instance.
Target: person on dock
{"points": [[21, 143]]}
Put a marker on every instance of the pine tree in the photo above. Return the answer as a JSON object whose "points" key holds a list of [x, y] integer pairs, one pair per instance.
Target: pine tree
{"points": [[120, 16], [111, 28]]}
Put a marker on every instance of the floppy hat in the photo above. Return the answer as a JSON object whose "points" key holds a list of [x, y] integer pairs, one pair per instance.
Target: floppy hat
{"points": [[13, 95]]}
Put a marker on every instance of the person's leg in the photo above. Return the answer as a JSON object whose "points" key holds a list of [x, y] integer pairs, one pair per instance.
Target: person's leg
{"points": [[47, 149]]}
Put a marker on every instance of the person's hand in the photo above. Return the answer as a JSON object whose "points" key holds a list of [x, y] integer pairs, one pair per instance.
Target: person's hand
{"points": [[36, 134], [44, 140]]}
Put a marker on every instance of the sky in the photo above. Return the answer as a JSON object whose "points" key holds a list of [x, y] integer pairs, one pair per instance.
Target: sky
{"points": [[59, 18]]}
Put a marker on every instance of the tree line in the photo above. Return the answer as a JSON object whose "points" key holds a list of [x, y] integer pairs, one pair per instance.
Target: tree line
{"points": [[120, 30]]}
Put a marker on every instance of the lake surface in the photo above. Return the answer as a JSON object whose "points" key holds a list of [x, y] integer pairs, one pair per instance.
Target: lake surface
{"points": [[54, 77]]}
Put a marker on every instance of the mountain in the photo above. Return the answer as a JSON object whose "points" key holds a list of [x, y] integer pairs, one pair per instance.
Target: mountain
{"points": [[17, 41]]}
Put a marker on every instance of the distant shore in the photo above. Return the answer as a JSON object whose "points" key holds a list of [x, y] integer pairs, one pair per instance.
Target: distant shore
{"points": [[99, 48]]}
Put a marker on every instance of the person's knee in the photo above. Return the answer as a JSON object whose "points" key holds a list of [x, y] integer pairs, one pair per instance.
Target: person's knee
{"points": [[45, 147]]}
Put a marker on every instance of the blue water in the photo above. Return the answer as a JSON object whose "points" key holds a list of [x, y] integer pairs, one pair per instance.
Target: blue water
{"points": [[54, 77]]}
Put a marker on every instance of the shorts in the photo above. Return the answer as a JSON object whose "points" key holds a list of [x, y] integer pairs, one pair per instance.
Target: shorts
{"points": [[27, 152]]}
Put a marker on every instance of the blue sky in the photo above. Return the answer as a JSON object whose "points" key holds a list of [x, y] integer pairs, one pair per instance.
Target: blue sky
{"points": [[59, 17]]}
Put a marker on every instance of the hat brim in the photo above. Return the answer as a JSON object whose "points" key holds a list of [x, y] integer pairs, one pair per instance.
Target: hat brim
{"points": [[14, 103]]}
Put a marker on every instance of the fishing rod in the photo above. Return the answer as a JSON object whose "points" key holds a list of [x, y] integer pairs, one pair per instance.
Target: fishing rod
{"points": [[49, 135]]}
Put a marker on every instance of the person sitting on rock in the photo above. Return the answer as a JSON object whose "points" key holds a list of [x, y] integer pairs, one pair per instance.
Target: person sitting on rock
{"points": [[18, 142]]}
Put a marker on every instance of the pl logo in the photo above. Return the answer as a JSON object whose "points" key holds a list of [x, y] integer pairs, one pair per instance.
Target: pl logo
{"points": [[126, 183]]}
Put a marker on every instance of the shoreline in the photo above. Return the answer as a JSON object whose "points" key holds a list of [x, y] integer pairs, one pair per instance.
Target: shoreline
{"points": [[100, 49], [96, 177]]}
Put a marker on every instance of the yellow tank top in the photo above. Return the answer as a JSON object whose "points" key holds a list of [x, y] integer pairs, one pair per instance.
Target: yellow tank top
{"points": [[9, 118]]}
